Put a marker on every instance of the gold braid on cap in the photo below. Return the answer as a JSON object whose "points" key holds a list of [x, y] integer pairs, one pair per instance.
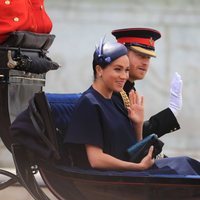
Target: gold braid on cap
{"points": [[125, 99]]}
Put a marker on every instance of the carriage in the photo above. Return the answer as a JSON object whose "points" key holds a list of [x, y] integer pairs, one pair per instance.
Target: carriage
{"points": [[21, 87]]}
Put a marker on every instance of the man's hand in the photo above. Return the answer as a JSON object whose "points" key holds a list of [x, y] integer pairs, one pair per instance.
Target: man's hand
{"points": [[175, 101]]}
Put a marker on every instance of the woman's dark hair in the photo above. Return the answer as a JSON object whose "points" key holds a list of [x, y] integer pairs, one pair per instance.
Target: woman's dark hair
{"points": [[106, 53]]}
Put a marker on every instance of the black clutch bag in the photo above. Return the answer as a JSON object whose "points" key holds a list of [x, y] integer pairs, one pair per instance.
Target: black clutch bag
{"points": [[139, 150]]}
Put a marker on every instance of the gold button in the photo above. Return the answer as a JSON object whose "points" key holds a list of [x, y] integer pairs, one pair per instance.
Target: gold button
{"points": [[41, 7], [16, 19], [7, 2]]}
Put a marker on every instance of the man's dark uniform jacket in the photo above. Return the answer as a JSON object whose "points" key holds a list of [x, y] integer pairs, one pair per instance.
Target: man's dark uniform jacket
{"points": [[160, 123]]}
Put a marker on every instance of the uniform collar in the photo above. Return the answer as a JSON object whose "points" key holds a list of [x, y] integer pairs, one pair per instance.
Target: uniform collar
{"points": [[129, 86]]}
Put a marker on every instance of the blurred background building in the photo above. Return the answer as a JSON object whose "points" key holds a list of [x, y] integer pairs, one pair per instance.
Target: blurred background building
{"points": [[78, 26]]}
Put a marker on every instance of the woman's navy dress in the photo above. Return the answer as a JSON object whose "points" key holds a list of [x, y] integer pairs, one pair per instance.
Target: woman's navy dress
{"points": [[97, 121]]}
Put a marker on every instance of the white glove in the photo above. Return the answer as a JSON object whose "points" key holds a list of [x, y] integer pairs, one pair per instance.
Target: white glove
{"points": [[175, 101]]}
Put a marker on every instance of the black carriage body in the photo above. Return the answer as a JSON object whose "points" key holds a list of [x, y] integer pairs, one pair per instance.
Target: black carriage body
{"points": [[66, 182]]}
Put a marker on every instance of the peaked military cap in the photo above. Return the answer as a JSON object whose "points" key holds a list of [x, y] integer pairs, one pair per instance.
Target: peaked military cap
{"points": [[138, 39]]}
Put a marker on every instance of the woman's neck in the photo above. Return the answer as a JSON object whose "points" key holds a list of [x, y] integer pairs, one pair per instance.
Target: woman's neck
{"points": [[105, 92]]}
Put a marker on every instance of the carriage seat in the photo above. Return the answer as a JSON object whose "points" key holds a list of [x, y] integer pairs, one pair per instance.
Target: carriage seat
{"points": [[62, 106]]}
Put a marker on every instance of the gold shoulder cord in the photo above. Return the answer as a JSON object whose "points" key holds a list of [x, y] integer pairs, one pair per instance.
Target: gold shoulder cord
{"points": [[125, 99]]}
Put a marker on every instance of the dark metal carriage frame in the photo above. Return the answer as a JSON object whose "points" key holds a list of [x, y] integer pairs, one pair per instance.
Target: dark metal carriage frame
{"points": [[16, 88], [21, 85]]}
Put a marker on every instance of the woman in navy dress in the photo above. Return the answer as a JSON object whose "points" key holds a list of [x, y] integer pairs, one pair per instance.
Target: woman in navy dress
{"points": [[98, 129], [99, 133]]}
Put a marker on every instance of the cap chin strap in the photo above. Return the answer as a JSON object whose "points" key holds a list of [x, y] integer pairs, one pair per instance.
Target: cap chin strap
{"points": [[125, 99]]}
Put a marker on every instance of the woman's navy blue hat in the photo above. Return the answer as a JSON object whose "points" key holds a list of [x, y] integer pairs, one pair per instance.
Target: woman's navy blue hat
{"points": [[107, 52]]}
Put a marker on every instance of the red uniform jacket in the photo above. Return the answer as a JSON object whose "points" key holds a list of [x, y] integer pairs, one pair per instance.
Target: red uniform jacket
{"points": [[24, 15]]}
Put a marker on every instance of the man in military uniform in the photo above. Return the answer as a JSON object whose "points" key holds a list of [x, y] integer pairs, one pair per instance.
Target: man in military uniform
{"points": [[23, 15], [140, 43]]}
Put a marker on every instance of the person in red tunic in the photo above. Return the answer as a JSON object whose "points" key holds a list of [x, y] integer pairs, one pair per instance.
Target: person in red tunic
{"points": [[23, 15]]}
